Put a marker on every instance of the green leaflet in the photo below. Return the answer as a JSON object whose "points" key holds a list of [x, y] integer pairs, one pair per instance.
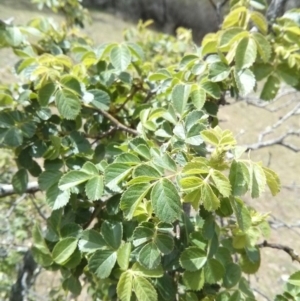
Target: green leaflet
{"points": [[90, 168], [67, 103], [45, 93], [286, 74], [245, 81], [48, 178], [120, 57], [164, 242], [213, 271], [128, 158], [149, 256], [229, 36], [260, 21], [73, 285], [64, 249], [210, 201], [115, 173], [263, 46], [132, 197], [39, 240], [91, 240], [166, 201], [146, 170], [270, 88], [258, 4], [20, 180], [72, 179], [191, 183], [13, 36], [194, 280], [143, 233], [94, 188], [71, 230], [194, 198], [102, 262], [246, 52], [250, 261], [258, 182], [166, 287], [101, 99], [112, 234], [140, 270], [165, 162], [71, 83], [143, 289], [295, 279], [212, 89], [198, 97], [221, 182], [273, 180], [124, 287], [123, 255], [44, 259], [57, 198], [196, 167], [232, 275], [193, 259], [239, 177], [180, 95], [242, 214], [217, 137], [218, 72]]}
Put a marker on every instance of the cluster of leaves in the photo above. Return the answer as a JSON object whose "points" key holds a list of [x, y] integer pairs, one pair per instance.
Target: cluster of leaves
{"points": [[157, 45], [72, 10], [130, 144]]}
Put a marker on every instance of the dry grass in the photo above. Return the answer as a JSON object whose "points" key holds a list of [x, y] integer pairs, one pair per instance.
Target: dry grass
{"points": [[237, 117]]}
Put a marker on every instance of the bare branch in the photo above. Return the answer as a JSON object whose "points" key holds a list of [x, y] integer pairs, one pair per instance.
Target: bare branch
{"points": [[117, 123], [288, 250], [278, 223], [276, 141], [288, 115], [281, 139], [7, 189]]}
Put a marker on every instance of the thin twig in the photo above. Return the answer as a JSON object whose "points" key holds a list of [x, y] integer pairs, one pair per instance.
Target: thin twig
{"points": [[260, 293], [276, 141], [117, 123], [103, 135], [279, 122], [38, 209], [294, 256], [97, 209], [14, 205], [128, 98]]}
